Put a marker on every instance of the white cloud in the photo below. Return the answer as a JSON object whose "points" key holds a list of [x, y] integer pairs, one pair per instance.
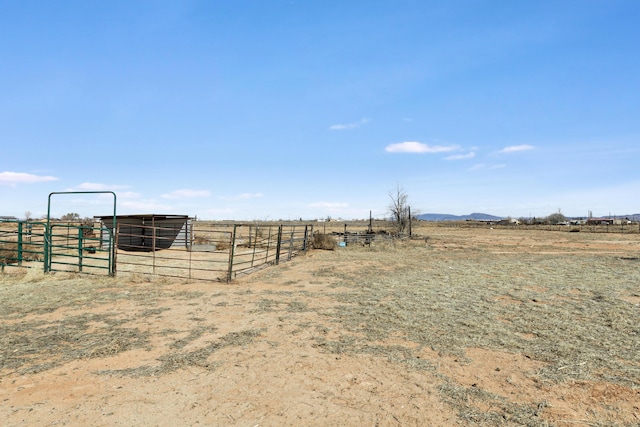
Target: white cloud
{"points": [[243, 196], [353, 125], [186, 194], [515, 148], [418, 147], [13, 178], [94, 186], [469, 155]]}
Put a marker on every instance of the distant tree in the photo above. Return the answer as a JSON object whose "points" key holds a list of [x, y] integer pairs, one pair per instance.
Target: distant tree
{"points": [[399, 208], [71, 216], [556, 218], [27, 215]]}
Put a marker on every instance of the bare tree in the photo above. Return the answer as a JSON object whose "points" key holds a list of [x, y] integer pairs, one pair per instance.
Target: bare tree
{"points": [[399, 209], [71, 216]]}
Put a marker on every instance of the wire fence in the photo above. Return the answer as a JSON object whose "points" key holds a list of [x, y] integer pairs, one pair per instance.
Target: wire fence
{"points": [[200, 251]]}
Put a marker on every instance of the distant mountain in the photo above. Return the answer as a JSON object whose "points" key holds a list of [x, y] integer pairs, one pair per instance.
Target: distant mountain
{"points": [[449, 217], [634, 217]]}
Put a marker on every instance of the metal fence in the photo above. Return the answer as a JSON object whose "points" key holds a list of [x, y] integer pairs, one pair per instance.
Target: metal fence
{"points": [[204, 251], [22, 244], [58, 246]]}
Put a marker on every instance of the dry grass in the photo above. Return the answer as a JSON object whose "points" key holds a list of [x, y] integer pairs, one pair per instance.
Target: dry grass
{"points": [[323, 241], [9, 253], [571, 312], [569, 302], [576, 322]]}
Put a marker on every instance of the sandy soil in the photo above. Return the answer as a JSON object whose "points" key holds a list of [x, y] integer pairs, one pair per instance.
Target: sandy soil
{"points": [[274, 373]]}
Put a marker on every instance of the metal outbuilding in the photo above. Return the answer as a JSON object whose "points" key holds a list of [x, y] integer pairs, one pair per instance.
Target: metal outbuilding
{"points": [[148, 232]]}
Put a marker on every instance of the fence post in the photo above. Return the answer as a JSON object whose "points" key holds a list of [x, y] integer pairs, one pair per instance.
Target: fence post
{"points": [[291, 243], [345, 235], [19, 243], [231, 253], [47, 247], [80, 244], [278, 244], [255, 244], [306, 234], [113, 249], [266, 258], [153, 246]]}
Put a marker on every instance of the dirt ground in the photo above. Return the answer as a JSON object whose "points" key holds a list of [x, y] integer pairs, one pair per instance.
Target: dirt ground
{"points": [[321, 340]]}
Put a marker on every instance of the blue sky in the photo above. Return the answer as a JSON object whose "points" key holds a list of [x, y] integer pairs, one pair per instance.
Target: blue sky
{"points": [[254, 110]]}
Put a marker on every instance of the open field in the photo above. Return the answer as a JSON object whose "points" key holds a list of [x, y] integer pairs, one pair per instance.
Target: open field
{"points": [[455, 327]]}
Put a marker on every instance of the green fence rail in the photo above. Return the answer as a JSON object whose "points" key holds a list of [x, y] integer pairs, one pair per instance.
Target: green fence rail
{"points": [[78, 248], [22, 243], [204, 251]]}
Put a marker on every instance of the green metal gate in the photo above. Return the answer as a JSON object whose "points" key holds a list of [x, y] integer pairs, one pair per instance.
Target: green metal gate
{"points": [[56, 246], [81, 248], [78, 248]]}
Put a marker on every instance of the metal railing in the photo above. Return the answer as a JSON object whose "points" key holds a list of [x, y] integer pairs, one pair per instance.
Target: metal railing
{"points": [[22, 244], [206, 251], [197, 251], [79, 248]]}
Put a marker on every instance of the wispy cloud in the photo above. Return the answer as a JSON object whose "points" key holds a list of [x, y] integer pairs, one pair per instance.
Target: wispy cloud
{"points": [[484, 166], [243, 196], [186, 194], [353, 125], [469, 155], [516, 148], [94, 186], [13, 178], [419, 147]]}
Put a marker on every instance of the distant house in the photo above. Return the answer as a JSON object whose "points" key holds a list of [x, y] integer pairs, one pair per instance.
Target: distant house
{"points": [[509, 221], [599, 221], [622, 221]]}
